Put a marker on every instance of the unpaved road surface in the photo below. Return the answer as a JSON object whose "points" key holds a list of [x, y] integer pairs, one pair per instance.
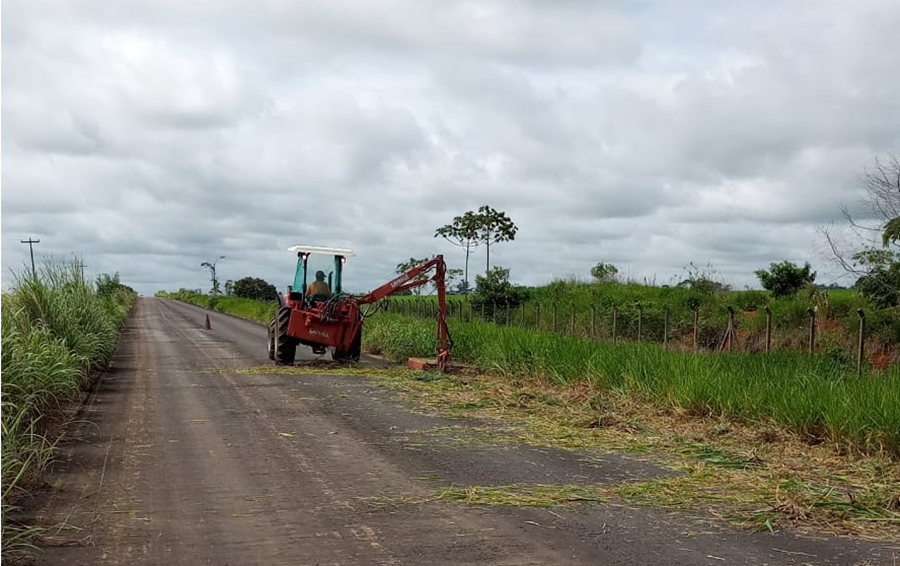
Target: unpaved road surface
{"points": [[181, 460]]}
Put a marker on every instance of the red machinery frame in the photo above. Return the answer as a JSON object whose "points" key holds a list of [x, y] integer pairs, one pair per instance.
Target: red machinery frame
{"points": [[338, 321]]}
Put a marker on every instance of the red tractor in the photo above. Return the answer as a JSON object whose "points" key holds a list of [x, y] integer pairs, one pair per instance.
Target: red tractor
{"points": [[316, 312]]}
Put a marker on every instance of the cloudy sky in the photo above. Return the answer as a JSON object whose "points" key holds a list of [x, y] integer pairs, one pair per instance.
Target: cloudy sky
{"points": [[147, 137]]}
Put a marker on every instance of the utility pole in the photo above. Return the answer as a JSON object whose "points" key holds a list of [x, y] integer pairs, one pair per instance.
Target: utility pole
{"points": [[80, 265], [31, 243], [211, 265]]}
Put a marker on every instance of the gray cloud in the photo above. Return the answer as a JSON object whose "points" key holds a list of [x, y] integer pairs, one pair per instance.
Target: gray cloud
{"points": [[150, 136]]}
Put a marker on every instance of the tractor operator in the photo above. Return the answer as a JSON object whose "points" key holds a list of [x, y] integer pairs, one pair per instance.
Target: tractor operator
{"points": [[319, 286]]}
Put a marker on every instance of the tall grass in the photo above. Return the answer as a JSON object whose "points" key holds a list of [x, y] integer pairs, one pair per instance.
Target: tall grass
{"points": [[56, 329], [812, 395], [789, 314]]}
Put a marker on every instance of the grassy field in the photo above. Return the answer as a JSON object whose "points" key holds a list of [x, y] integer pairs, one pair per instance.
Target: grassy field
{"points": [[576, 304], [56, 330], [815, 396]]}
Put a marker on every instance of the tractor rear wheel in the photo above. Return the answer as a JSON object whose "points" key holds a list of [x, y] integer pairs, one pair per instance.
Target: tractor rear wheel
{"points": [[270, 338], [352, 355], [285, 346]]}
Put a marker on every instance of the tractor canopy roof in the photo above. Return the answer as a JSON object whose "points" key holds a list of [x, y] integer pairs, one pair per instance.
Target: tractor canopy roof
{"points": [[321, 250]]}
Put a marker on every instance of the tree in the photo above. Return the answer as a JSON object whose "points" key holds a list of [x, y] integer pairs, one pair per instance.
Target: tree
{"points": [[211, 265], [605, 273], [704, 280], [462, 232], [492, 227], [494, 288], [785, 279], [229, 287], [873, 255], [451, 277], [254, 288], [881, 283], [407, 265]]}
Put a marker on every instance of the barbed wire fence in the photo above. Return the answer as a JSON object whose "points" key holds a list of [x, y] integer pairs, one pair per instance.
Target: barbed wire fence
{"points": [[698, 331]]}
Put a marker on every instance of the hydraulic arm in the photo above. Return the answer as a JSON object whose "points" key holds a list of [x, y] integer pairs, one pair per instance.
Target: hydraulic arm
{"points": [[410, 280]]}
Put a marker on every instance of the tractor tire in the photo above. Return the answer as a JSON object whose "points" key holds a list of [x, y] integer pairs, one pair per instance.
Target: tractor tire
{"points": [[353, 354], [285, 346], [270, 339]]}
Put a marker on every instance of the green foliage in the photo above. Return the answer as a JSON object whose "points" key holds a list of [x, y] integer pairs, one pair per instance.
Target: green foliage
{"points": [[462, 232], [703, 280], [785, 278], [253, 288], [492, 227], [814, 396], [881, 282], [605, 273], [249, 309], [494, 289], [891, 232], [55, 329]]}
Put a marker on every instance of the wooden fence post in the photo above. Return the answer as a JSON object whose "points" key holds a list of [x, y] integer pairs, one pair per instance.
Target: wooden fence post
{"points": [[615, 325], [696, 327], [666, 328], [537, 316], [554, 318], [729, 333], [768, 329], [593, 320], [573, 318], [640, 309], [860, 350], [507, 313], [812, 330]]}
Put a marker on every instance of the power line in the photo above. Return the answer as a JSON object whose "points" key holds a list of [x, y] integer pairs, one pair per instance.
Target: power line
{"points": [[31, 243]]}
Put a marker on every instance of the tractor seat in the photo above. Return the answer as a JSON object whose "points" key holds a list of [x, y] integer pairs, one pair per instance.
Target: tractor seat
{"points": [[318, 299]]}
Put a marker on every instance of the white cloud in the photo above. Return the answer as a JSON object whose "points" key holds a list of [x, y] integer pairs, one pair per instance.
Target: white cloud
{"points": [[151, 136]]}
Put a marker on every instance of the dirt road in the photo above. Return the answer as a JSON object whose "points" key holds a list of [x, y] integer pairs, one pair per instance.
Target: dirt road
{"points": [[182, 460]]}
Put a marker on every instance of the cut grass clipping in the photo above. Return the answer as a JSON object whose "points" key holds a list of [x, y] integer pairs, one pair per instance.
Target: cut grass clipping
{"points": [[762, 477], [55, 330]]}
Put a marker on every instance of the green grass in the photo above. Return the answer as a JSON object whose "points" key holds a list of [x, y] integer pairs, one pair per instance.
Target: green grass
{"points": [[789, 314], [244, 308], [56, 329], [812, 395]]}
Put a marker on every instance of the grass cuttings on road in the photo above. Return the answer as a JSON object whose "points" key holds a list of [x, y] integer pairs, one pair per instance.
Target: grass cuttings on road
{"points": [[763, 477]]}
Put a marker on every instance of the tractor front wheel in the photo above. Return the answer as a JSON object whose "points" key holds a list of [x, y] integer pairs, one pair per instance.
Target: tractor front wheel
{"points": [[285, 345]]}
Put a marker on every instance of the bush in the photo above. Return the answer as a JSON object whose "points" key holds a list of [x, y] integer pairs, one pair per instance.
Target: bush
{"points": [[254, 288], [495, 290], [785, 279]]}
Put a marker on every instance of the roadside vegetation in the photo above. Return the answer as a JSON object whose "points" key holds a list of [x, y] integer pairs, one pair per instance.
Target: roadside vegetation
{"points": [[814, 396], [250, 309], [57, 329]]}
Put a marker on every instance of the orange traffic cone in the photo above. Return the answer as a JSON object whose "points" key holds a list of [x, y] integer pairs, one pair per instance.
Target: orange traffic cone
{"points": [[207, 326]]}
